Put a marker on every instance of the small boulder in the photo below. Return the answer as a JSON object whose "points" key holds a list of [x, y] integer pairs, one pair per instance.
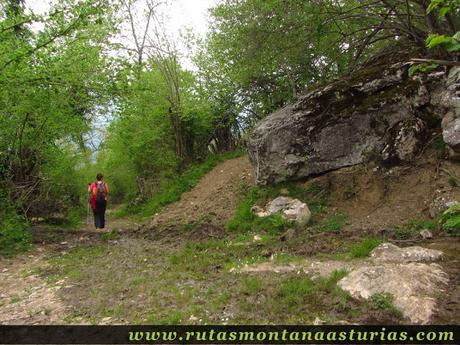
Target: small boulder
{"points": [[387, 252], [291, 209], [426, 234]]}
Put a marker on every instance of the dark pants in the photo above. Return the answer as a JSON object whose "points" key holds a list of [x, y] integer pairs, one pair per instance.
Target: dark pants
{"points": [[99, 214]]}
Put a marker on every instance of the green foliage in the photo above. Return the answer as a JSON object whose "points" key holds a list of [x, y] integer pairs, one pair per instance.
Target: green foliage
{"points": [[384, 301], [293, 291], [15, 234], [53, 79], [421, 224], [444, 8], [251, 285], [363, 249], [110, 236], [413, 227], [423, 68], [244, 220], [450, 220], [452, 43]]}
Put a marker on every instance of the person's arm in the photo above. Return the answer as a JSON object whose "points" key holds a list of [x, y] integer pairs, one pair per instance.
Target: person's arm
{"points": [[106, 191]]}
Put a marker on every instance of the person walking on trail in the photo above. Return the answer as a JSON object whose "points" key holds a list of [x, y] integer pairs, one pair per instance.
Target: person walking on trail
{"points": [[99, 192]]}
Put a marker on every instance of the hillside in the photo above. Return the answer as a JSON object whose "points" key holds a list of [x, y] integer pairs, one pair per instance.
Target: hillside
{"points": [[183, 266]]}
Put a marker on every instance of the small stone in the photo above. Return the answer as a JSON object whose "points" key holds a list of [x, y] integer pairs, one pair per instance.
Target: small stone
{"points": [[318, 322], [64, 243], [193, 318], [257, 238], [426, 234], [388, 252], [5, 270]]}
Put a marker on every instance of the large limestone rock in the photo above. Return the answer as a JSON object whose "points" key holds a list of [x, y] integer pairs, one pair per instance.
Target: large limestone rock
{"points": [[403, 273], [412, 285], [377, 113]]}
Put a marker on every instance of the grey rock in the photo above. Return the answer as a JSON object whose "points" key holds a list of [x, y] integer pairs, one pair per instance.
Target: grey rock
{"points": [[404, 140], [451, 131], [292, 209], [350, 121], [387, 252], [451, 121], [426, 234], [413, 286]]}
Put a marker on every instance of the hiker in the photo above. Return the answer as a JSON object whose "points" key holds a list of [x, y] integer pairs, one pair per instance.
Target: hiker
{"points": [[99, 192]]}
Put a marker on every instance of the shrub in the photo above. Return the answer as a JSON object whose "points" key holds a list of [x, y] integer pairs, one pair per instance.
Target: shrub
{"points": [[15, 234], [450, 220]]}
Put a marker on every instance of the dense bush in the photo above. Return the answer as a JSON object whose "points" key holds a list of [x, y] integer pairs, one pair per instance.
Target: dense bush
{"points": [[15, 235]]}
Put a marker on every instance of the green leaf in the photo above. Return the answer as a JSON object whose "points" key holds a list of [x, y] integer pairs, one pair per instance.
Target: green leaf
{"points": [[453, 47], [443, 11], [424, 68], [434, 40], [434, 5]]}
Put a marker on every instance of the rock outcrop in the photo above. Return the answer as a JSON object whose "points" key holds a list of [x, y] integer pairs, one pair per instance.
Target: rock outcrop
{"points": [[379, 112], [408, 274]]}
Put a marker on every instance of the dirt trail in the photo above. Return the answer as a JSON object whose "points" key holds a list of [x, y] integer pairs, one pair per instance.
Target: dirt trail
{"points": [[25, 297]]}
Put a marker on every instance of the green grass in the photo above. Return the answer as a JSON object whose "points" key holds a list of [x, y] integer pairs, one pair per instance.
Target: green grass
{"points": [[251, 285], [144, 282], [302, 290], [333, 223], [172, 189], [110, 236], [72, 263], [384, 301], [363, 249], [421, 224], [412, 228]]}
